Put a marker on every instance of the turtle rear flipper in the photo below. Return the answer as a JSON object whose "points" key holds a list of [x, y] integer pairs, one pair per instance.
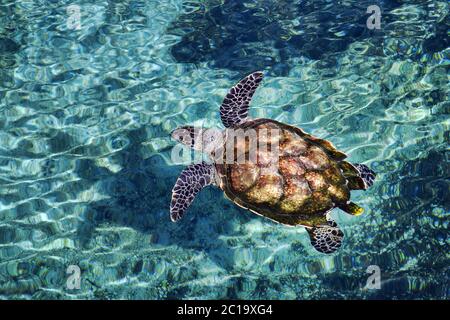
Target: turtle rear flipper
{"points": [[358, 176], [192, 179], [326, 238], [366, 174]]}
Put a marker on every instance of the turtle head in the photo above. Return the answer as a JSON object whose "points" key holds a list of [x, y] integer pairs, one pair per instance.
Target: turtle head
{"points": [[206, 140], [186, 135]]}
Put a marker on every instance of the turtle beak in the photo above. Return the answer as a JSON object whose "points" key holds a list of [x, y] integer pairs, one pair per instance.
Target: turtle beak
{"points": [[173, 134]]}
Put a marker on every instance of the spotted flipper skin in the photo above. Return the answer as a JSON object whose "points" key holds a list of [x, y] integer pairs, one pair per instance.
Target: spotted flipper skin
{"points": [[366, 174], [192, 179], [234, 108], [326, 238]]}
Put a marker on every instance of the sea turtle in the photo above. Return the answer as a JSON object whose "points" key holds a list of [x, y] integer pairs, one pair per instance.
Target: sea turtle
{"points": [[296, 182]]}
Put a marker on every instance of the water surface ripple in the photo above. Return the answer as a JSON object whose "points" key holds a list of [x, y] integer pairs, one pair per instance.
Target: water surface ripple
{"points": [[85, 167]]}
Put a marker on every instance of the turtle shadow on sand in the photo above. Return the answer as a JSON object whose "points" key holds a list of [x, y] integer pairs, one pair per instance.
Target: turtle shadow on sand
{"points": [[270, 33], [138, 196]]}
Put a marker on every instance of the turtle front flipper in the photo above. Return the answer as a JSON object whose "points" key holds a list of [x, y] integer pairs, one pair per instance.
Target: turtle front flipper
{"points": [[192, 179], [234, 108], [326, 238]]}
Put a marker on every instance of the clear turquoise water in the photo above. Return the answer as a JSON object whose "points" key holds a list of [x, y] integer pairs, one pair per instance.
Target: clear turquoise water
{"points": [[85, 166]]}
